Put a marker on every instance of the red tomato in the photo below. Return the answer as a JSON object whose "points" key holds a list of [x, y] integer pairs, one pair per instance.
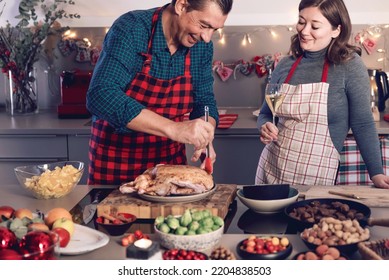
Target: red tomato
{"points": [[250, 249], [260, 241], [138, 234]]}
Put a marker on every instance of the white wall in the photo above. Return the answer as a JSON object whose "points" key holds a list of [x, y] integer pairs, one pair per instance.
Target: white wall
{"points": [[101, 13]]}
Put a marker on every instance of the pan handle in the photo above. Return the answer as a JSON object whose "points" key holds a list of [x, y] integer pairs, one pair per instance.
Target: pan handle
{"points": [[384, 222]]}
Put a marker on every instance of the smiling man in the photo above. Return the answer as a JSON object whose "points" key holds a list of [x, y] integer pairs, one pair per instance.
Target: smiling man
{"points": [[155, 67]]}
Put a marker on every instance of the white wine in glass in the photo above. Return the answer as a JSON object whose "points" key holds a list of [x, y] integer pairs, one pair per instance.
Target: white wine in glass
{"points": [[274, 98]]}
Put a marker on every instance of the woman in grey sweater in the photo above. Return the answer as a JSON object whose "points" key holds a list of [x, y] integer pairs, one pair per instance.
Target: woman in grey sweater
{"points": [[327, 92]]}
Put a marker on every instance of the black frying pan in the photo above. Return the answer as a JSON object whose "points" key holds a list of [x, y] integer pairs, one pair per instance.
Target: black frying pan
{"points": [[301, 225]]}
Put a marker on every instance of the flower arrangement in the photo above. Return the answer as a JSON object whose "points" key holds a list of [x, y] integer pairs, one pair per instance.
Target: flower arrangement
{"points": [[20, 46]]}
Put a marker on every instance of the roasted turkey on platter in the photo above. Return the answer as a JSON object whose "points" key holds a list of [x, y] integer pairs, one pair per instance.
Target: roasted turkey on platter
{"points": [[165, 179]]}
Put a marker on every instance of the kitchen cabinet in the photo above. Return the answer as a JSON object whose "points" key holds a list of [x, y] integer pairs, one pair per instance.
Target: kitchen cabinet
{"points": [[17, 150], [78, 146]]}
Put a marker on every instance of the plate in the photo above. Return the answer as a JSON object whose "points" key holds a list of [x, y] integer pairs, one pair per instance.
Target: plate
{"points": [[177, 198], [84, 240]]}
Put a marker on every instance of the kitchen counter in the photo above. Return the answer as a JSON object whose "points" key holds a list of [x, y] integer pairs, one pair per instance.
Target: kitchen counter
{"points": [[47, 121], [241, 221]]}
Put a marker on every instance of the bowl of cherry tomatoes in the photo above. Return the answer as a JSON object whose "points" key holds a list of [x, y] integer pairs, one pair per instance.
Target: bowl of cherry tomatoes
{"points": [[264, 248], [182, 254]]}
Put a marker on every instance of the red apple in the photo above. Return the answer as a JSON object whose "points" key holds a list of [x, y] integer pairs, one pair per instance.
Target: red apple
{"points": [[7, 238], [6, 211], [64, 236], [9, 254], [37, 245], [64, 223]]}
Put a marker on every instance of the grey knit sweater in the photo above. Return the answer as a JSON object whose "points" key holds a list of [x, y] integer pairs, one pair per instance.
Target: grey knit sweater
{"points": [[348, 102]]}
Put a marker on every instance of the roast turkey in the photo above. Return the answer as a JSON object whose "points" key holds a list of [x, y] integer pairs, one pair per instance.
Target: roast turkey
{"points": [[165, 179]]}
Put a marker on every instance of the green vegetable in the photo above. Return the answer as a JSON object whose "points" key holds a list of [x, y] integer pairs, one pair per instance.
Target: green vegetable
{"points": [[197, 216], [201, 231], [207, 222], [159, 220], [190, 232], [173, 223], [186, 219], [206, 213], [218, 220], [181, 230], [164, 228], [194, 225], [215, 227]]}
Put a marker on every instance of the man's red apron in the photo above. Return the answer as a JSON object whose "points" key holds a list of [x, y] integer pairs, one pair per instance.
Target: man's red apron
{"points": [[304, 153], [118, 158]]}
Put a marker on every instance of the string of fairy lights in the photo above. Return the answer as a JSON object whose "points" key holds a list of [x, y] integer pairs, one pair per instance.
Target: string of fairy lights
{"points": [[223, 35], [373, 33]]}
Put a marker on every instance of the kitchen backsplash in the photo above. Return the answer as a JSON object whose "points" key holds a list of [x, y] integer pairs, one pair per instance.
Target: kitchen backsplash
{"points": [[238, 87]]}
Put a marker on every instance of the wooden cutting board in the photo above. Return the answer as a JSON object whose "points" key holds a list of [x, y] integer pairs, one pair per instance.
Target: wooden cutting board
{"points": [[372, 197], [217, 202]]}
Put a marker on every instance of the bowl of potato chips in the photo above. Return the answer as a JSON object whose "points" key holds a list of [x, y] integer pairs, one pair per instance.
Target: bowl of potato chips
{"points": [[50, 180]]}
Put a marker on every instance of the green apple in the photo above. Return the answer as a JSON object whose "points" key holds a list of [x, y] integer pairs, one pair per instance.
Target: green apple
{"points": [[64, 223]]}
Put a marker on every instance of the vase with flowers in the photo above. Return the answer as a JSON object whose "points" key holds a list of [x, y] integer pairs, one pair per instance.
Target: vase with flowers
{"points": [[20, 47]]}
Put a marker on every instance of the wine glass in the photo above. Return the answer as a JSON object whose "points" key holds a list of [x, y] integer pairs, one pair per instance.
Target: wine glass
{"points": [[274, 98]]}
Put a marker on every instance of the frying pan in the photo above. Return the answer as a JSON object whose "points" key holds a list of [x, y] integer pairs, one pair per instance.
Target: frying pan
{"points": [[360, 207]]}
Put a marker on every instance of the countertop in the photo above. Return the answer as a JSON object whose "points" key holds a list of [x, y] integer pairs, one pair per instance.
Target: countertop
{"points": [[47, 122], [238, 230]]}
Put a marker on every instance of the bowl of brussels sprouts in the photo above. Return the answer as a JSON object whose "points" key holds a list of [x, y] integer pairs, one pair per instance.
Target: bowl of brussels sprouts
{"points": [[196, 230]]}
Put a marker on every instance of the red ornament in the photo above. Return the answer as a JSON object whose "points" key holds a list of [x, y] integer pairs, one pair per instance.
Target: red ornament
{"points": [[37, 245], [9, 254], [7, 238]]}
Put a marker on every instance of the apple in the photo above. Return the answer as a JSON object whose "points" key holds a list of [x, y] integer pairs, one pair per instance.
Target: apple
{"points": [[64, 236], [64, 223], [6, 211], [37, 226], [23, 212], [55, 214]]}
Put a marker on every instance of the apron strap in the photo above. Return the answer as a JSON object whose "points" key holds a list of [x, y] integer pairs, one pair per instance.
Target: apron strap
{"points": [[147, 56], [324, 74], [154, 25]]}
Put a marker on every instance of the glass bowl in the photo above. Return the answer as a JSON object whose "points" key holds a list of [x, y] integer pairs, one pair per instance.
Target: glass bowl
{"points": [[50, 180]]}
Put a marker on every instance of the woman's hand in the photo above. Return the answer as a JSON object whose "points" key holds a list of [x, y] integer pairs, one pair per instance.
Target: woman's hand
{"points": [[381, 181], [269, 133]]}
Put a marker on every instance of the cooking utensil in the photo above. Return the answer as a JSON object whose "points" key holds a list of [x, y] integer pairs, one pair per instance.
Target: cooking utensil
{"points": [[359, 207], [90, 209], [349, 195], [366, 220], [208, 161]]}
